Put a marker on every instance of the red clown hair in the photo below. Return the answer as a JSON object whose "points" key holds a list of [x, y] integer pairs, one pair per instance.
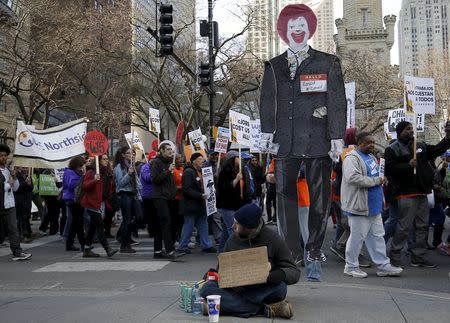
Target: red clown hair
{"points": [[293, 11]]}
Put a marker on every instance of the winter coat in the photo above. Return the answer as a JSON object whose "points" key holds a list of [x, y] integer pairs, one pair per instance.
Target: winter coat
{"points": [[398, 155], [303, 123], [146, 182], [229, 196], [164, 186], [279, 254], [24, 193], [71, 179], [192, 202], [93, 192]]}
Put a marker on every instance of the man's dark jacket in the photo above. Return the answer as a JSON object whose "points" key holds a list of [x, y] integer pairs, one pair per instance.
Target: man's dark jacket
{"points": [[164, 186], [258, 178], [277, 250], [403, 180], [192, 202], [288, 113]]}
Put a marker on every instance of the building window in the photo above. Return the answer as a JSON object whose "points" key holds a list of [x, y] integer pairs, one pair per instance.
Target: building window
{"points": [[365, 17]]}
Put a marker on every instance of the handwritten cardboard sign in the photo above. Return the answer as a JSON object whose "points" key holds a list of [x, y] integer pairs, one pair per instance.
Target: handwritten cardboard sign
{"points": [[243, 267]]}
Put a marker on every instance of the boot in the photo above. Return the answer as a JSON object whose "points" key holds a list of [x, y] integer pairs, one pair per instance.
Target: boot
{"points": [[88, 253], [110, 251]]}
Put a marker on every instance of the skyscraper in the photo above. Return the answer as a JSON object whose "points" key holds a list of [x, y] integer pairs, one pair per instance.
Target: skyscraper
{"points": [[263, 40], [423, 34]]}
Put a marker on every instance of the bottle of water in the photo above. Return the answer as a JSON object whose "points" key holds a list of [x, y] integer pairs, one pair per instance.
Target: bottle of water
{"points": [[197, 301]]}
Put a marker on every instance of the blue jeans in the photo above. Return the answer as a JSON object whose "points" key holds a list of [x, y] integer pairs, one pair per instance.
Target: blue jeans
{"points": [[228, 220], [391, 223], [245, 301], [201, 223]]}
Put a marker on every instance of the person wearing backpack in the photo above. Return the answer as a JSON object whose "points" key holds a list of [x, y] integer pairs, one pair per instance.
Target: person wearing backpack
{"points": [[98, 187], [72, 182]]}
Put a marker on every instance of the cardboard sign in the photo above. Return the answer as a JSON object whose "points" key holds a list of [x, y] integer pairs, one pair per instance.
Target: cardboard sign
{"points": [[196, 139], [397, 115], [419, 94], [153, 120], [137, 142], [96, 143], [239, 128], [313, 83], [350, 93], [243, 267], [255, 135], [208, 188]]}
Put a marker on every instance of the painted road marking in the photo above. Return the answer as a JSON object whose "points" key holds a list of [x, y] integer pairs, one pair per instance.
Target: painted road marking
{"points": [[103, 266], [36, 243]]}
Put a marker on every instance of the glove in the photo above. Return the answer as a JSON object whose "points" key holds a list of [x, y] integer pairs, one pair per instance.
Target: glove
{"points": [[337, 145], [276, 276]]}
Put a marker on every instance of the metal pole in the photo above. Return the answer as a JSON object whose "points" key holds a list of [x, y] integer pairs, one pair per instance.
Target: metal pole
{"points": [[211, 71]]}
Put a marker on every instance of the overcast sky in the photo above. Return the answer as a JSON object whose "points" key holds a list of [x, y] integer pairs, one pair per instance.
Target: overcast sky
{"points": [[226, 12]]}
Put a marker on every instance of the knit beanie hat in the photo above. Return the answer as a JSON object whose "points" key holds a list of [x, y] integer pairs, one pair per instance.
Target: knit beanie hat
{"points": [[401, 126], [194, 156], [249, 216]]}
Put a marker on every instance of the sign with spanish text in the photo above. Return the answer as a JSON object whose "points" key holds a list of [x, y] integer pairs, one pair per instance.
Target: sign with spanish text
{"points": [[419, 95], [397, 115], [239, 128], [154, 121]]}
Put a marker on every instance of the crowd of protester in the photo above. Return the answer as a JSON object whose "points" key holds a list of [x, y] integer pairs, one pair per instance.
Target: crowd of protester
{"points": [[163, 194]]}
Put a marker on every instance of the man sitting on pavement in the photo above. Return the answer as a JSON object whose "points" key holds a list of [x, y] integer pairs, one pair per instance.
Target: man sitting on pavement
{"points": [[263, 299]]}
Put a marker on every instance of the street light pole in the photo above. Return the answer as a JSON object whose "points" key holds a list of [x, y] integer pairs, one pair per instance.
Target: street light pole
{"points": [[211, 70]]}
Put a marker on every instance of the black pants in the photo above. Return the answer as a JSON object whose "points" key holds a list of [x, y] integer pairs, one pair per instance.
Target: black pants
{"points": [[271, 201], [154, 224], [318, 177], [77, 226], [176, 219], [23, 213], [96, 226], [52, 215], [162, 210], [129, 208], [107, 221]]}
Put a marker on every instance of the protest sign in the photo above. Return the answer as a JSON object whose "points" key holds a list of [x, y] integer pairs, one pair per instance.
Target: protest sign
{"points": [[58, 173], [137, 142], [350, 92], [239, 128], [255, 135], [223, 132], [196, 140], [382, 167], [187, 150], [419, 94], [49, 148], [154, 121], [208, 188], [96, 143], [47, 185], [397, 115], [243, 267], [221, 145]]}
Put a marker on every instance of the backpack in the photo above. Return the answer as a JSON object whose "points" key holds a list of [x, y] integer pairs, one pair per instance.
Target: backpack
{"points": [[79, 191]]}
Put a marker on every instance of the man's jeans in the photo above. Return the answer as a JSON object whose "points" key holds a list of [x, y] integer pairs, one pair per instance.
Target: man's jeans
{"points": [[411, 210], [391, 223], [368, 229], [201, 223], [245, 301], [228, 220], [11, 220]]}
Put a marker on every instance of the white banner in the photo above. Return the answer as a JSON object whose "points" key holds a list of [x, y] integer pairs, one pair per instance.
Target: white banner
{"points": [[419, 94], [137, 142], [196, 139], [350, 93], [208, 188], [239, 128], [221, 145], [49, 148], [397, 115], [255, 135], [154, 121]]}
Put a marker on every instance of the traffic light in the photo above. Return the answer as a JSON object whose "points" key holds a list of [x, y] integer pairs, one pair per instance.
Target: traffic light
{"points": [[166, 29], [204, 76]]}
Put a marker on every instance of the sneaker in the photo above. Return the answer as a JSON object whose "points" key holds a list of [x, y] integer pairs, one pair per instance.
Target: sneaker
{"points": [[209, 250], [423, 263], [72, 248], [133, 243], [364, 262], [355, 272], [389, 271], [88, 253], [280, 309], [444, 248], [43, 233], [339, 253], [159, 255], [175, 254], [191, 245], [21, 256], [127, 249], [111, 252], [185, 251]]}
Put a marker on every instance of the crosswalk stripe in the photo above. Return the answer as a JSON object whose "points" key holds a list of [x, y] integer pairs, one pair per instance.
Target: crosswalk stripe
{"points": [[103, 266]]}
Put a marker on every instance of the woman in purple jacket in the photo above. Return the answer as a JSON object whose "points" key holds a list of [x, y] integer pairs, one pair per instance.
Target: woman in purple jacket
{"points": [[71, 179]]}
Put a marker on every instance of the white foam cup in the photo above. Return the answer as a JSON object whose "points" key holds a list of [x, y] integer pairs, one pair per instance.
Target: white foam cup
{"points": [[213, 302]]}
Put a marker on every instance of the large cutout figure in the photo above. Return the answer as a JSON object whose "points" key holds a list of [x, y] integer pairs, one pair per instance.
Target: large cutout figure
{"points": [[303, 111]]}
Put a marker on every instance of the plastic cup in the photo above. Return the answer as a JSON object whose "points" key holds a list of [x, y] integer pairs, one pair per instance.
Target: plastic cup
{"points": [[213, 302]]}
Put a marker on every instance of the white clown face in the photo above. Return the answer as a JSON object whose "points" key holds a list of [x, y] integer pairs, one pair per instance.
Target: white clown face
{"points": [[297, 33]]}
